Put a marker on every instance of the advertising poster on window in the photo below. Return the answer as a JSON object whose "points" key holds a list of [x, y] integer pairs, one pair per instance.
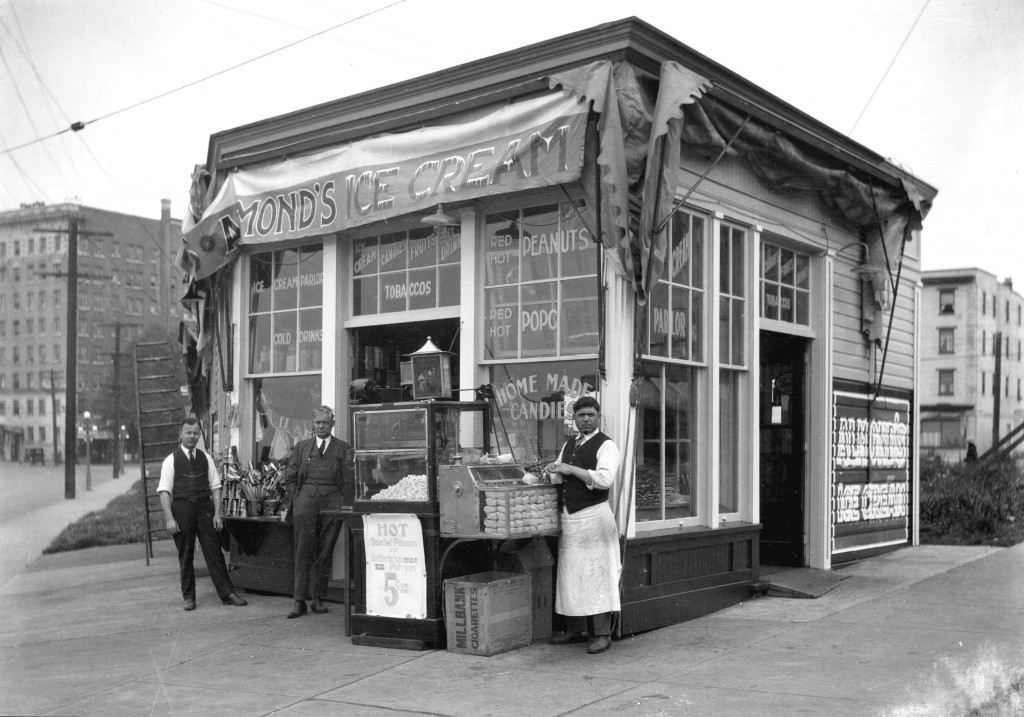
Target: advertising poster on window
{"points": [[396, 572], [870, 471]]}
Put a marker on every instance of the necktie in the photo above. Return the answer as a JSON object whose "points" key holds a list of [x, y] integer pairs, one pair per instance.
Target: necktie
{"points": [[323, 448], [579, 442], [191, 456]]}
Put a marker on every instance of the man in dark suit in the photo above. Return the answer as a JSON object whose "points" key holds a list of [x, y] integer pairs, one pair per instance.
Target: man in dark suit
{"points": [[314, 479], [189, 491]]}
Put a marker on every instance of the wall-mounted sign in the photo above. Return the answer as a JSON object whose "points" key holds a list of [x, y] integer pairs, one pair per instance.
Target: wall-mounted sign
{"points": [[396, 573], [870, 471]]}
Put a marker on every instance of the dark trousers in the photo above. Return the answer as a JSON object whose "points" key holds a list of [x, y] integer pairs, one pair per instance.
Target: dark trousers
{"points": [[195, 520], [314, 538], [597, 625]]}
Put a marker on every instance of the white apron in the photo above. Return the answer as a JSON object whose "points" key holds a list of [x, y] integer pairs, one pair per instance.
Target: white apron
{"points": [[588, 562]]}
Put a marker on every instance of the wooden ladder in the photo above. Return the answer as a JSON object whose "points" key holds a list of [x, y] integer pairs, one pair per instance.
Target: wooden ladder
{"points": [[161, 409]]}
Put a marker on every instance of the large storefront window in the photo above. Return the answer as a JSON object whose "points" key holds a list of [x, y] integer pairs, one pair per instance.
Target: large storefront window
{"points": [[406, 270], [785, 285], [667, 465], [667, 475], [286, 310], [284, 414], [285, 340], [534, 400], [540, 296]]}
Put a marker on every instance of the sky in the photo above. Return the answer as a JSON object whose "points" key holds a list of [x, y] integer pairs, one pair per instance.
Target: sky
{"points": [[936, 86]]}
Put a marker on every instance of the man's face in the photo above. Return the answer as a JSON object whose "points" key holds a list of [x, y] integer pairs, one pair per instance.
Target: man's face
{"points": [[190, 435], [322, 426], [587, 419]]}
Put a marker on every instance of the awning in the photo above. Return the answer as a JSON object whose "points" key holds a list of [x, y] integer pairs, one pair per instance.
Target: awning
{"points": [[534, 143]]}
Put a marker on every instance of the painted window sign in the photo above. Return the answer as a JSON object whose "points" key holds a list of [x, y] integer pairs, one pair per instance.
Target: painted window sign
{"points": [[785, 285], [406, 270], [677, 300], [286, 310], [870, 471], [540, 296]]}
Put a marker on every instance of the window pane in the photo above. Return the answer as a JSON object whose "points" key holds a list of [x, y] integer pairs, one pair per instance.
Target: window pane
{"points": [[286, 270], [448, 285], [724, 331], [739, 283], [660, 320], [697, 243], [578, 319], [697, 327], [311, 277], [422, 248], [392, 252], [284, 342], [679, 331], [284, 415], [770, 262], [729, 440], [310, 339], [540, 243], [538, 319], [259, 343], [364, 296], [502, 252], [501, 335]]}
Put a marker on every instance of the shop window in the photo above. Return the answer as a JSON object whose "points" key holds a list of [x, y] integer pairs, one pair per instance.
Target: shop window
{"points": [[666, 464], [406, 271], [534, 402], [946, 382], [785, 285], [284, 413], [540, 295], [286, 310], [946, 341], [676, 313], [941, 433], [732, 297], [946, 302]]}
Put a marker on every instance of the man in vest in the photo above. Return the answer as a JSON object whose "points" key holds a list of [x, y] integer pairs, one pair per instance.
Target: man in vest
{"points": [[588, 548], [189, 491], [314, 478]]}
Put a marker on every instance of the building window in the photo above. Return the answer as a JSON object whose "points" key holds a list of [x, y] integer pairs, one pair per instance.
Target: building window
{"points": [[946, 382], [982, 384], [406, 270], [732, 355], [1007, 312], [540, 286], [785, 285], [946, 341], [984, 342], [946, 301], [286, 310], [984, 303]]}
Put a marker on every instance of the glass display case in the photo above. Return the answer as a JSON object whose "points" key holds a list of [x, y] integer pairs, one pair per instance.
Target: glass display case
{"points": [[398, 448]]}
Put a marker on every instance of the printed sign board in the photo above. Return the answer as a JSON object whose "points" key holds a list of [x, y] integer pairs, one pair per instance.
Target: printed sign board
{"points": [[870, 471], [396, 573]]}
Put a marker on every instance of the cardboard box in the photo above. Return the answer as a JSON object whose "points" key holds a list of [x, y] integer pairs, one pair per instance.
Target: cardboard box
{"points": [[535, 560], [487, 613]]}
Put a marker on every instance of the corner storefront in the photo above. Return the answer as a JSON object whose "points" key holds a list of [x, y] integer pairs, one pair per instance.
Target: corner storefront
{"points": [[608, 213]]}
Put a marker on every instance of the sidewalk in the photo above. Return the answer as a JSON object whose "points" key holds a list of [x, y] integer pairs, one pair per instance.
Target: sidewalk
{"points": [[97, 632]]}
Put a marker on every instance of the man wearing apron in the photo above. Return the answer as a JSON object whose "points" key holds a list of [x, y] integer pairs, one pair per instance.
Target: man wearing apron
{"points": [[316, 473], [588, 548]]}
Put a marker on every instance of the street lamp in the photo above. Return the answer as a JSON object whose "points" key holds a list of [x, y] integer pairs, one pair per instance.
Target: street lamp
{"points": [[88, 450], [123, 441]]}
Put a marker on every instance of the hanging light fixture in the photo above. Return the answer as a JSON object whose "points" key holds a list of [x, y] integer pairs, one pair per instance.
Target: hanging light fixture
{"points": [[440, 219]]}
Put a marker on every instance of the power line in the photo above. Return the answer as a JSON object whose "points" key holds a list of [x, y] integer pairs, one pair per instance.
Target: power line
{"points": [[891, 63], [78, 126]]}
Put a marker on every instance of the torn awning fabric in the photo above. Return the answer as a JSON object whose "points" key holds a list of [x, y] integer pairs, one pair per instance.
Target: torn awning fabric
{"points": [[512, 147]]}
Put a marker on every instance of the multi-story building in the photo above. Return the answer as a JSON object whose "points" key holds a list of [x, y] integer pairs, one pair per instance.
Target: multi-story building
{"points": [[125, 286], [971, 361]]}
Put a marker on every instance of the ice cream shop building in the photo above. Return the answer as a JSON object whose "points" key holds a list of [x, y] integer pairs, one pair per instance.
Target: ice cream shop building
{"points": [[607, 213]]}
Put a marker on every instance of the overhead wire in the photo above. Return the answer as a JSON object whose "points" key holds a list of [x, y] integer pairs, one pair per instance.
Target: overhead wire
{"points": [[78, 126], [891, 63]]}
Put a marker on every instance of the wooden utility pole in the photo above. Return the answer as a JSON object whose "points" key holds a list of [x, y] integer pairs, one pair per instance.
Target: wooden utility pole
{"points": [[53, 413], [71, 360], [997, 381]]}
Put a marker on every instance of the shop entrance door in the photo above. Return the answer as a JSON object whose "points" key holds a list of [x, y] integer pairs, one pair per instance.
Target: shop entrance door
{"points": [[783, 440]]}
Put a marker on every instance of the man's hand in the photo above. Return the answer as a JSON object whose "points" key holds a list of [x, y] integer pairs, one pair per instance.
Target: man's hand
{"points": [[172, 525], [218, 521]]}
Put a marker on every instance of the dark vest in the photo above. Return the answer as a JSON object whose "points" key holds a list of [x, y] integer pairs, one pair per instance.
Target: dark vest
{"points": [[191, 483], [320, 471], [575, 494]]}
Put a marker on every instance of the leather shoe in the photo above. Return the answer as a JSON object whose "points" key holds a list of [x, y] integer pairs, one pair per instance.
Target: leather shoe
{"points": [[566, 638], [190, 604], [298, 610], [317, 606], [233, 599], [599, 644]]}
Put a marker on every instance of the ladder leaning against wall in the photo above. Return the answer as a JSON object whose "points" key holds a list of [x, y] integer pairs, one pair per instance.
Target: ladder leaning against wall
{"points": [[161, 409]]}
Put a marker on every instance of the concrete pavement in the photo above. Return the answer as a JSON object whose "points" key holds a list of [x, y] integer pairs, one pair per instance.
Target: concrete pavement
{"points": [[921, 631]]}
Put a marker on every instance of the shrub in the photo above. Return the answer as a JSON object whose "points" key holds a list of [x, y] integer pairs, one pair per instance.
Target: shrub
{"points": [[972, 503]]}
